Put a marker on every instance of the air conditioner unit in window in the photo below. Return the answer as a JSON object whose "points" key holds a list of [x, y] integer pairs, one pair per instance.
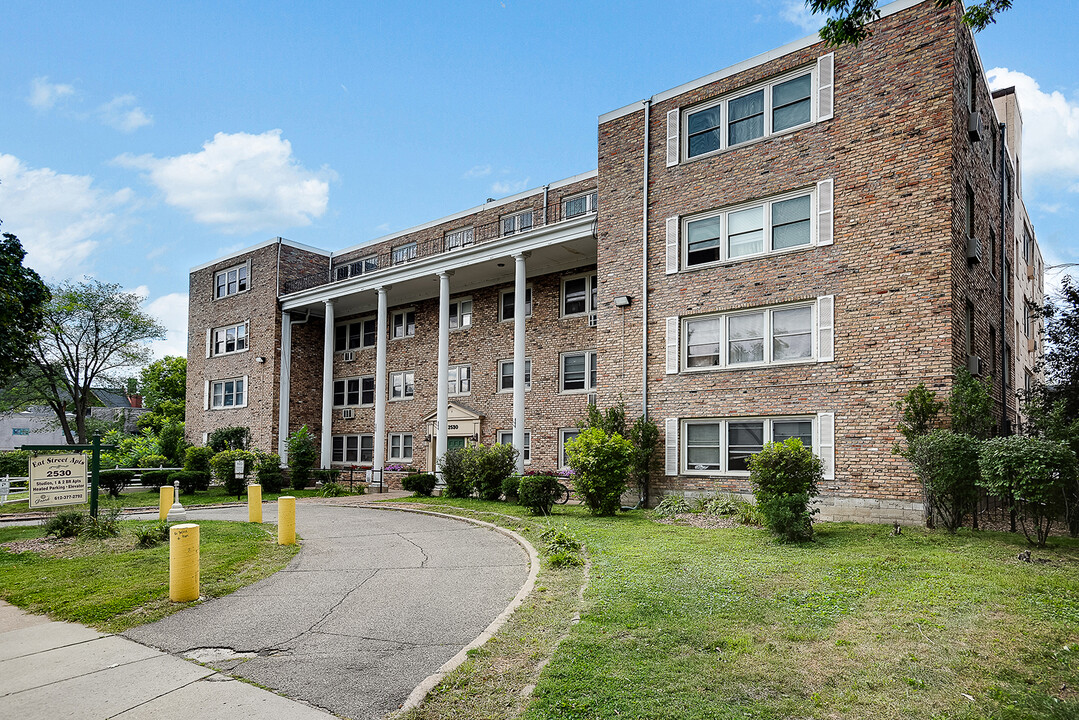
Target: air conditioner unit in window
{"points": [[592, 320], [974, 250], [974, 365], [349, 356], [974, 127], [1032, 345], [348, 413], [591, 399], [1030, 272]]}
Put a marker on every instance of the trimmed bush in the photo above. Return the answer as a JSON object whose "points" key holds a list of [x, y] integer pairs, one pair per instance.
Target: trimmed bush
{"points": [[601, 464], [510, 487], [224, 466], [488, 467], [785, 479], [197, 459], [538, 493], [190, 481], [454, 469], [947, 464], [420, 483], [302, 456], [153, 461], [269, 473], [114, 481], [156, 478], [66, 523]]}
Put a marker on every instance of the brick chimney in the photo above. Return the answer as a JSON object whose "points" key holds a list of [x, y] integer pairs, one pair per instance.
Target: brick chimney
{"points": [[135, 400]]}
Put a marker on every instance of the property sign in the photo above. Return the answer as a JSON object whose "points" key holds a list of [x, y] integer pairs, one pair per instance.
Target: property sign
{"points": [[57, 480], [239, 468]]}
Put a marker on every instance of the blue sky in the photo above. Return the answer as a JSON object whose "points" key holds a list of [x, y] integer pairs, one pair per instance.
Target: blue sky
{"points": [[140, 139]]}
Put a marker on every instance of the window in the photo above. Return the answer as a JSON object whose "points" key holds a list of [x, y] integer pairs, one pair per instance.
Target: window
{"points": [[992, 251], [968, 219], [771, 226], [564, 436], [579, 371], [354, 391], [231, 281], [774, 335], [725, 446], [972, 89], [579, 205], [353, 449], [404, 324], [460, 379], [457, 239], [1028, 246], [355, 335], [505, 306], [231, 339], [401, 446], [403, 253], [579, 295], [969, 328], [461, 314], [356, 268], [776, 107], [505, 375], [505, 437], [1027, 317], [228, 393], [402, 385], [518, 222]]}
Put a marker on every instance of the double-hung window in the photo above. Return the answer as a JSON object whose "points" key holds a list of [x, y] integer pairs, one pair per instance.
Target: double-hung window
{"points": [[355, 335], [505, 306], [579, 371], [401, 446], [777, 335], [402, 385], [461, 314], [460, 379], [505, 437], [403, 325], [579, 295], [564, 436], [579, 205], [457, 239], [231, 281], [228, 393], [354, 391], [356, 268], [763, 227], [505, 375], [358, 449], [518, 222], [725, 446], [230, 339], [403, 253]]}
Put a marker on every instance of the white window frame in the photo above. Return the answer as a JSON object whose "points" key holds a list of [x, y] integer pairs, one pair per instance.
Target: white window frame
{"points": [[515, 223], [347, 324], [724, 317], [502, 317], [359, 399], [455, 377], [590, 379], [563, 460], [724, 233], [505, 437], [408, 377], [214, 341], [456, 307], [459, 238], [528, 375], [403, 253], [591, 288], [246, 280], [724, 436], [591, 202], [724, 101], [397, 445], [244, 391], [355, 268], [359, 449], [403, 314]]}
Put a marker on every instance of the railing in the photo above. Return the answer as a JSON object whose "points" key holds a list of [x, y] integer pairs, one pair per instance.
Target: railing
{"points": [[411, 251], [18, 489]]}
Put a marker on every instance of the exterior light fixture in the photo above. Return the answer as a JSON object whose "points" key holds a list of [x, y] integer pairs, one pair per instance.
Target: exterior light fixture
{"points": [[260, 359], [623, 301]]}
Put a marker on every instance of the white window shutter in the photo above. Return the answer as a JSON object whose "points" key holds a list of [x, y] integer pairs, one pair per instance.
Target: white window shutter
{"points": [[247, 389], [825, 85], [673, 123], [209, 333], [206, 395], [826, 328], [825, 195], [826, 443], [671, 439], [672, 245], [672, 345]]}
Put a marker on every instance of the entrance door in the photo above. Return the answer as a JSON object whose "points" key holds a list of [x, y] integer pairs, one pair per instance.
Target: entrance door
{"points": [[455, 443]]}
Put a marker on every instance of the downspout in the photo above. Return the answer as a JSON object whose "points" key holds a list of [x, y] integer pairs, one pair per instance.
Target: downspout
{"points": [[643, 498], [1005, 243], [545, 188]]}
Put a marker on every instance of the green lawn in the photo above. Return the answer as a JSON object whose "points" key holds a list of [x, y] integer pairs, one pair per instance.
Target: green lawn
{"points": [[111, 585], [149, 498], [680, 622]]}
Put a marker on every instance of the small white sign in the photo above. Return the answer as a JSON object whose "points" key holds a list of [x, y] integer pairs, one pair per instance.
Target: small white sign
{"points": [[57, 480], [5, 489], [239, 468]]}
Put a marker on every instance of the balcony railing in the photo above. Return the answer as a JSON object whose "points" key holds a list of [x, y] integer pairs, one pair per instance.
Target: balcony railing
{"points": [[408, 252]]}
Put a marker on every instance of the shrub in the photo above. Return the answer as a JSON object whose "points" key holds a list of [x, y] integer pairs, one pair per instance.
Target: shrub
{"points": [[269, 473], [171, 442], [229, 438], [785, 478], [190, 480], [489, 466], [105, 525], [510, 487], [947, 464], [224, 466], [147, 536], [538, 493], [15, 463], [919, 410], [156, 478], [115, 481], [332, 489], [302, 456], [324, 477], [970, 404], [197, 459], [420, 483], [672, 505], [66, 523], [454, 468], [153, 461], [601, 463]]}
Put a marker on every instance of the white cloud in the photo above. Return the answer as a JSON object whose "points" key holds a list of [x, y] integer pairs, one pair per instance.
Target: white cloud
{"points": [[1050, 127], [240, 183], [171, 311], [123, 114], [796, 12], [477, 171], [44, 95], [60, 219], [509, 187]]}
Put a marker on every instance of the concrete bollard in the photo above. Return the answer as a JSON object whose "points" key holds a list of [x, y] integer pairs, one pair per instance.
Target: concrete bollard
{"points": [[286, 520], [254, 503], [184, 562], [164, 501]]}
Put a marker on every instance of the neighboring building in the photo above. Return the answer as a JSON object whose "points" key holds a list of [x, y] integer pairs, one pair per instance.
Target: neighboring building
{"points": [[33, 426], [819, 234]]}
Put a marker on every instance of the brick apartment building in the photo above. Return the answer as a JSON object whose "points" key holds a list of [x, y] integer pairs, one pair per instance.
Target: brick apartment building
{"points": [[780, 249]]}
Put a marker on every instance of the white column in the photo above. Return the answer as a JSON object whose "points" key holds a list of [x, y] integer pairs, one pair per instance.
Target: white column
{"points": [[519, 360], [284, 367], [327, 388], [380, 383], [442, 410]]}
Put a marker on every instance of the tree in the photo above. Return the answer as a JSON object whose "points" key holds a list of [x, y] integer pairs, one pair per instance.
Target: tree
{"points": [[302, 456], [970, 405], [947, 464], [848, 24], [92, 333], [163, 384], [23, 297], [919, 409]]}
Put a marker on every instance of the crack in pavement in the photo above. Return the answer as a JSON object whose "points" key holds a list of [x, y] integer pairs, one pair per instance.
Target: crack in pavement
{"points": [[423, 564]]}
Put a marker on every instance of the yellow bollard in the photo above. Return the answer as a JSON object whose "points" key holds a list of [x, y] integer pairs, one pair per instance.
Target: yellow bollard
{"points": [[184, 562], [254, 503], [286, 520], [165, 501]]}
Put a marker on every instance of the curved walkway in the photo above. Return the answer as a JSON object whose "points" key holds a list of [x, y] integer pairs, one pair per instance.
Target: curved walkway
{"points": [[376, 602]]}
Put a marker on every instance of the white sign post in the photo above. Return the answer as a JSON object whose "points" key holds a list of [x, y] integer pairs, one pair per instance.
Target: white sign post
{"points": [[5, 488], [57, 480]]}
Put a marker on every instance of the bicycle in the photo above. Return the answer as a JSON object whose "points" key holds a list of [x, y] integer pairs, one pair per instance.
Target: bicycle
{"points": [[563, 494]]}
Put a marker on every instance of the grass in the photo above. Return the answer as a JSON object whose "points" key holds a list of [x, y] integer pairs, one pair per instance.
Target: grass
{"points": [[681, 622], [112, 586], [149, 498]]}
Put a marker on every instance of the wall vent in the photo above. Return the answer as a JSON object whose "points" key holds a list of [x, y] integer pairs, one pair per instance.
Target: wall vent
{"points": [[591, 399], [349, 356], [974, 250], [592, 320], [974, 365], [348, 413], [974, 127]]}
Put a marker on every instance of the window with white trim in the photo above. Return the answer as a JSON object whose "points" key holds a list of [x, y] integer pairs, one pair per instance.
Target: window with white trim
{"points": [[403, 253], [505, 305], [579, 205], [356, 267], [228, 393], [461, 314], [359, 449], [459, 238], [505, 437], [505, 375], [712, 446], [579, 295], [766, 336], [403, 324], [564, 436], [401, 446], [230, 339], [578, 371], [231, 281], [517, 222], [355, 335], [460, 379], [354, 391], [771, 226], [402, 385]]}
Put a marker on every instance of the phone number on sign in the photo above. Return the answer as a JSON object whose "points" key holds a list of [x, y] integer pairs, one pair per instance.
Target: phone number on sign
{"points": [[55, 498]]}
